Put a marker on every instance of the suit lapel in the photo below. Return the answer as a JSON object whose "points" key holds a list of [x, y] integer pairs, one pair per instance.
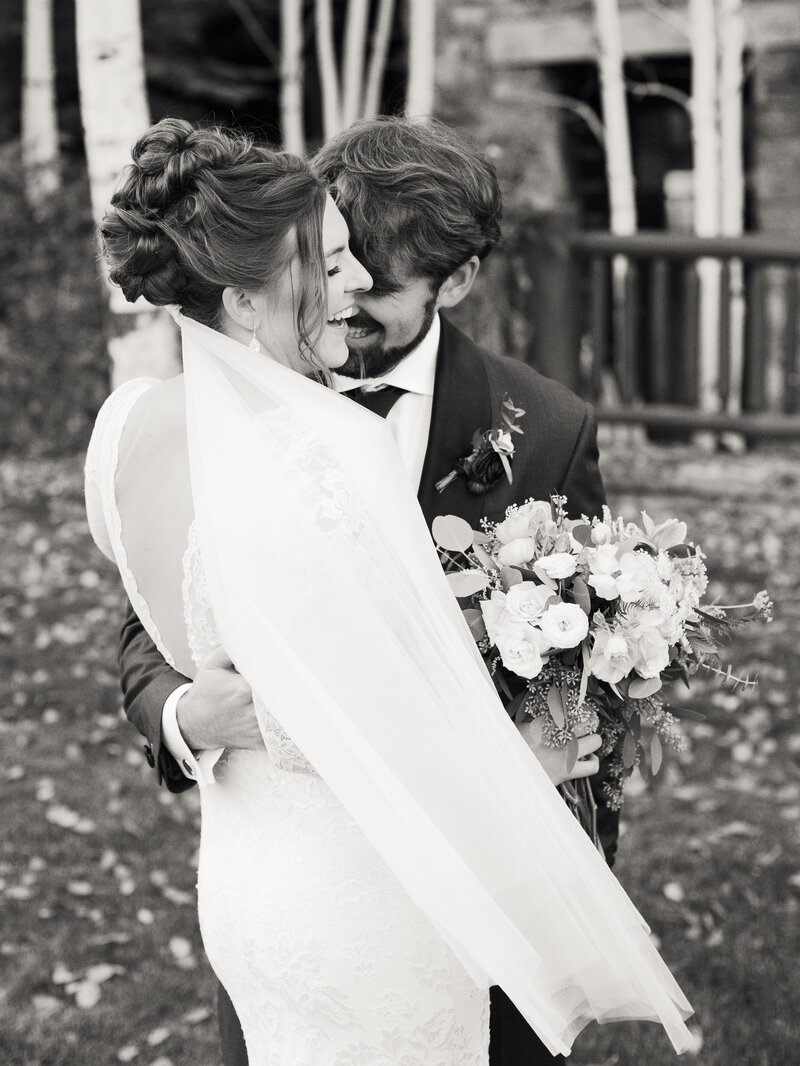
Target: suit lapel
{"points": [[462, 403]]}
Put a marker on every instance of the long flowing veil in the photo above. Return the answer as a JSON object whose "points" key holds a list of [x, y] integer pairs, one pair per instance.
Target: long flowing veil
{"points": [[329, 598]]}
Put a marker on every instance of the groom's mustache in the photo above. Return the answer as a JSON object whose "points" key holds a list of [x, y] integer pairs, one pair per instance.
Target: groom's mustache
{"points": [[361, 320]]}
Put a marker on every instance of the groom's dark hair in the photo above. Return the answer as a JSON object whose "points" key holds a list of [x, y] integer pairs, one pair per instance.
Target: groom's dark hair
{"points": [[416, 196]]}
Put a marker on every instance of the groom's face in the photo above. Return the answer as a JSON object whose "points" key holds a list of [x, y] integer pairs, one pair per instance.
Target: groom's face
{"points": [[390, 322]]}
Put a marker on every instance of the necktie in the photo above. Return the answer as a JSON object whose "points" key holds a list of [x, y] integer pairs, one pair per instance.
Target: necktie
{"points": [[379, 401]]}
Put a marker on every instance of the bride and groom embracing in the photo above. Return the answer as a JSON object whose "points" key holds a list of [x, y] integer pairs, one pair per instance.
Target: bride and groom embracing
{"points": [[387, 874]]}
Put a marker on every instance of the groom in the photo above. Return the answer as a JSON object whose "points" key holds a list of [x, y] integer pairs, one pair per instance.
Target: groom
{"points": [[424, 210]]}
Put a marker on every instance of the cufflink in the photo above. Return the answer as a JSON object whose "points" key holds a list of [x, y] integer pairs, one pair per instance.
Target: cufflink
{"points": [[187, 768], [148, 754]]}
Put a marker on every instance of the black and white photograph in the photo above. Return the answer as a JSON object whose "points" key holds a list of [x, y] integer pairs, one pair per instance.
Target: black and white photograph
{"points": [[399, 532]]}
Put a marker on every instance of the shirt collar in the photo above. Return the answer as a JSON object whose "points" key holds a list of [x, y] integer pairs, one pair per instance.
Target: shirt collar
{"points": [[416, 372]]}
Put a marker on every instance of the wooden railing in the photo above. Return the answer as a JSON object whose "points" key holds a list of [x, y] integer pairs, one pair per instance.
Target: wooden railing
{"points": [[639, 339]]}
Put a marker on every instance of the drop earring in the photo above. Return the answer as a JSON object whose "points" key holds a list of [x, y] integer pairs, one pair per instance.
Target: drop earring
{"points": [[254, 346]]}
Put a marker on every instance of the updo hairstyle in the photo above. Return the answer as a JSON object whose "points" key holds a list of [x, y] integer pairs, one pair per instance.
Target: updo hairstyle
{"points": [[202, 208]]}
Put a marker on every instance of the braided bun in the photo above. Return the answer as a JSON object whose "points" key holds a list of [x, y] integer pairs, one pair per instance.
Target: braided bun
{"points": [[202, 208]]}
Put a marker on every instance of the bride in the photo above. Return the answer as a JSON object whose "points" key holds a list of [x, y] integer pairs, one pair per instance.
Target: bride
{"points": [[395, 848]]}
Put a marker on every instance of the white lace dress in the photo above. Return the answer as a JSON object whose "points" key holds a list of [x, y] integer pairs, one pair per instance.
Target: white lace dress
{"points": [[327, 960]]}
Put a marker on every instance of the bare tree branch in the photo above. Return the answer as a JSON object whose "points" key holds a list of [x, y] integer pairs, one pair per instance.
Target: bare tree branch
{"points": [[256, 31], [569, 103], [657, 88]]}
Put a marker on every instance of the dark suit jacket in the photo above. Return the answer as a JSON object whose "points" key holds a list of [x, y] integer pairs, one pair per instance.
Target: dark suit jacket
{"points": [[556, 453]]}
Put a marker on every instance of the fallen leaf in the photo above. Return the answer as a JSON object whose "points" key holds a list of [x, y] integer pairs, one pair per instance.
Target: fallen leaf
{"points": [[673, 891], [158, 1036]]}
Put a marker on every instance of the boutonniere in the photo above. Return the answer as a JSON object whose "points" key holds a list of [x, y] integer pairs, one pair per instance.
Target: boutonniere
{"points": [[491, 455]]}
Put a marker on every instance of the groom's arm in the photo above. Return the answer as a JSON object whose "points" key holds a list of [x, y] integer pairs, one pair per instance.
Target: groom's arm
{"points": [[147, 683], [213, 712]]}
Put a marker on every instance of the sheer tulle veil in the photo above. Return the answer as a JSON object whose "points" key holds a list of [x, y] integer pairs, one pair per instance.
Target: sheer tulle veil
{"points": [[329, 598]]}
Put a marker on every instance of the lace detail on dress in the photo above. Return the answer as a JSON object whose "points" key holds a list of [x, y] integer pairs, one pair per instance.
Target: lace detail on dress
{"points": [[201, 631], [202, 638], [102, 460]]}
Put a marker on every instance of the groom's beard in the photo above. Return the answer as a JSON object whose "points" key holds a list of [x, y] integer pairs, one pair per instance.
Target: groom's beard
{"points": [[376, 359]]}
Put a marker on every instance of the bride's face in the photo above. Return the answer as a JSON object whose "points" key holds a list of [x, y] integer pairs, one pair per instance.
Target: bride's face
{"points": [[346, 277], [277, 309]]}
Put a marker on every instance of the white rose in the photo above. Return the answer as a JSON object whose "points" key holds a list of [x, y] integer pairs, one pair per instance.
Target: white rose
{"points": [[494, 612], [650, 655], [564, 625], [610, 659], [526, 601], [537, 512], [556, 566], [518, 645], [517, 552], [514, 527]]}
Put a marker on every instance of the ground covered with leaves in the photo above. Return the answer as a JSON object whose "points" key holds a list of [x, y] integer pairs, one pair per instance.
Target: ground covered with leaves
{"points": [[100, 954]]}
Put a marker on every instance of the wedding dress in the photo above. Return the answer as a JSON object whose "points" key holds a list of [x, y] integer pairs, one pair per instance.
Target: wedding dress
{"points": [[396, 848]]}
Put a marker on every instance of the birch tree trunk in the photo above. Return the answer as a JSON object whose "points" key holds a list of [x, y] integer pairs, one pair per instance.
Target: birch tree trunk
{"points": [[40, 149], [729, 106], [114, 114], [619, 176], [291, 101], [377, 62], [328, 69], [705, 141], [421, 58], [619, 167], [355, 36]]}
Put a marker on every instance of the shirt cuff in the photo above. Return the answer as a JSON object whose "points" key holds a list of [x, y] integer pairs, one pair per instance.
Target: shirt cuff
{"points": [[200, 767]]}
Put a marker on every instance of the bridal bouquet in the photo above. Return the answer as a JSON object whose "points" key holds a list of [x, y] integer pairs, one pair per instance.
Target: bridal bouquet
{"points": [[582, 623]]}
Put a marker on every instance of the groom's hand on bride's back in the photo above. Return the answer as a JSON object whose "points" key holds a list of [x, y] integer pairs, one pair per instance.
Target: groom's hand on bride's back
{"points": [[217, 711]]}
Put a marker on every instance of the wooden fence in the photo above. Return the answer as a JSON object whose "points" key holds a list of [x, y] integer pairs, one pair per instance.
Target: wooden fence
{"points": [[634, 348]]}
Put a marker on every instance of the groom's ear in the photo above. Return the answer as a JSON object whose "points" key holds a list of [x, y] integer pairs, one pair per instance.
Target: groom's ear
{"points": [[453, 289], [239, 307]]}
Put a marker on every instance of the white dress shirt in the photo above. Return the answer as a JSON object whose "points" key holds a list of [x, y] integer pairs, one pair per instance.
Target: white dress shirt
{"points": [[410, 418], [410, 423]]}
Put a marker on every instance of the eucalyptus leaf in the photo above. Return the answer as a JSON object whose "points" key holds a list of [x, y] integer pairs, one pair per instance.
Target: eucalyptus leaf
{"points": [[656, 753], [582, 534], [467, 582], [572, 753], [474, 619], [510, 576], [516, 705], [452, 533], [642, 687], [556, 707], [580, 592], [483, 556]]}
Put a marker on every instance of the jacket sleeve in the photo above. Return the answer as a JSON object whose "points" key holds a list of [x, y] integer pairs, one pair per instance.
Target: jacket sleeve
{"points": [[147, 681], [583, 482]]}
